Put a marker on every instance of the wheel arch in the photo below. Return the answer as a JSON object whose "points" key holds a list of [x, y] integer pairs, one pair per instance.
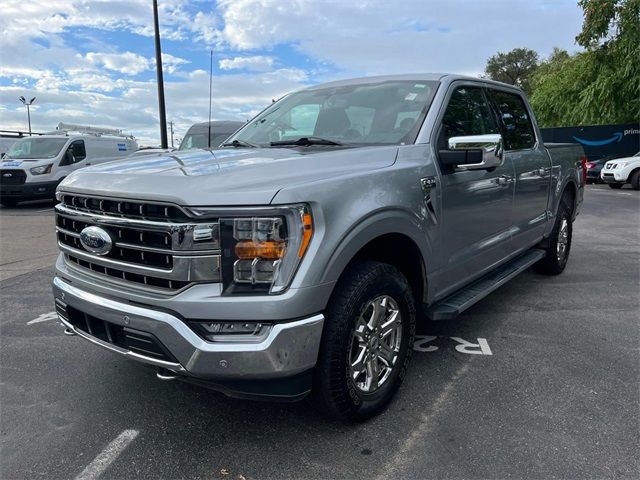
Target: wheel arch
{"points": [[388, 237]]}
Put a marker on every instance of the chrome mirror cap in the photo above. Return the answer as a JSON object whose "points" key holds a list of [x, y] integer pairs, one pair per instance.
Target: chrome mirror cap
{"points": [[490, 144]]}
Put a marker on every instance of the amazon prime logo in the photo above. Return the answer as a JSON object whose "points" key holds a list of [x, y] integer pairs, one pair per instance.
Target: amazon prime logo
{"points": [[617, 137], [96, 240]]}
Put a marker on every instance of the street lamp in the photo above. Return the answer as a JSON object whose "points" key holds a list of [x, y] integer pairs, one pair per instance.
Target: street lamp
{"points": [[28, 104]]}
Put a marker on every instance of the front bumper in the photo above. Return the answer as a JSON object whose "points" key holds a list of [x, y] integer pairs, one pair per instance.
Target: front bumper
{"points": [[613, 177], [28, 191], [288, 350]]}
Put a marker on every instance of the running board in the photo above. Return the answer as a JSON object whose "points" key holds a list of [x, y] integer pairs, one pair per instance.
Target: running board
{"points": [[452, 306]]}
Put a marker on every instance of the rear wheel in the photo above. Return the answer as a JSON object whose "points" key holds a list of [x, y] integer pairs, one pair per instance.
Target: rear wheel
{"points": [[635, 180], [615, 186], [559, 242], [367, 342]]}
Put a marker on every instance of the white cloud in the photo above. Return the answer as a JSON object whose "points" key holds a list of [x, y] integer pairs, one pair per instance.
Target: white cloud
{"points": [[128, 63], [377, 36], [256, 63]]}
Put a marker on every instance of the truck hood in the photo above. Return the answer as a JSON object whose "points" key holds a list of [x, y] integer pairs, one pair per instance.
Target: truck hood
{"points": [[223, 177]]}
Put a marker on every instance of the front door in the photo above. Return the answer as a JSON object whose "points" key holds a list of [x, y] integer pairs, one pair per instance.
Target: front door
{"points": [[476, 204]]}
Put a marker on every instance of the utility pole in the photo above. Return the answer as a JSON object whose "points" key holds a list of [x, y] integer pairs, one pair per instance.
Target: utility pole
{"points": [[27, 104], [163, 115], [171, 130]]}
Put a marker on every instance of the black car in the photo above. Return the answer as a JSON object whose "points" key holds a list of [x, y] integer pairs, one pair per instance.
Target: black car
{"points": [[593, 169]]}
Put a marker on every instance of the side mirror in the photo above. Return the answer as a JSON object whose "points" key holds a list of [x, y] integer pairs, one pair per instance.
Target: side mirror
{"points": [[68, 158], [473, 152]]}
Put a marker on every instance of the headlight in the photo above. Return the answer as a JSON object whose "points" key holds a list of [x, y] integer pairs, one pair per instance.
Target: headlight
{"points": [[261, 251], [41, 170]]}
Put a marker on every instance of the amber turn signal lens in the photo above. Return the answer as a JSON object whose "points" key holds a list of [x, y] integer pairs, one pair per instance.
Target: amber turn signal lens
{"points": [[263, 250], [307, 232]]}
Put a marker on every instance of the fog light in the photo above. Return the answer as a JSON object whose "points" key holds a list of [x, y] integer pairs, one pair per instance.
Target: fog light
{"points": [[226, 328], [231, 331]]}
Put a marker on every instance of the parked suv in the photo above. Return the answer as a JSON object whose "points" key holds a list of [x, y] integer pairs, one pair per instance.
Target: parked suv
{"points": [[299, 258], [622, 170]]}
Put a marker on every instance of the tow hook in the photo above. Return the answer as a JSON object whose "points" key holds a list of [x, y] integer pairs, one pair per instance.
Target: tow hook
{"points": [[166, 375], [69, 332]]}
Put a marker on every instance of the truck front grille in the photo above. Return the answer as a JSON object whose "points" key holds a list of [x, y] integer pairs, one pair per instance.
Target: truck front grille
{"points": [[12, 177], [149, 251], [117, 274], [125, 208]]}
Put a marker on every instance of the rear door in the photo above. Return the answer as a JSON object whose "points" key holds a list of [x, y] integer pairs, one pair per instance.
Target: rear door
{"points": [[532, 166], [476, 204]]}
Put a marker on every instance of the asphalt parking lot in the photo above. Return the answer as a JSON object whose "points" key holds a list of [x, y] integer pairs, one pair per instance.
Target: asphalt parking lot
{"points": [[539, 380]]}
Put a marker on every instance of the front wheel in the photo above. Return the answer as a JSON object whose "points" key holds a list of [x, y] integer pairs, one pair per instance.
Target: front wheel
{"points": [[367, 341], [616, 186], [635, 180]]}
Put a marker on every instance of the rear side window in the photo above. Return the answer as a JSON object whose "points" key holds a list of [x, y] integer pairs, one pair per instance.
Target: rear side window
{"points": [[78, 150], [516, 124], [468, 113]]}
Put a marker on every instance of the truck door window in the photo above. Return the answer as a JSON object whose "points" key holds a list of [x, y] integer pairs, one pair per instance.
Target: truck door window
{"points": [[468, 113], [517, 128], [78, 150]]}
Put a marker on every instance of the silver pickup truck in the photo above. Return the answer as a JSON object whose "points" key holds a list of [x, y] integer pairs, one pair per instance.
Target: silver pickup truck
{"points": [[298, 257]]}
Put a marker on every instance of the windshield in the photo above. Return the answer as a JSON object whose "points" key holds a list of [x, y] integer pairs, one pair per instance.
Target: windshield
{"points": [[368, 113], [199, 140], [35, 147]]}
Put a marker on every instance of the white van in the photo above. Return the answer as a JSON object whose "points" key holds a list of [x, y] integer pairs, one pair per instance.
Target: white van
{"points": [[33, 166]]}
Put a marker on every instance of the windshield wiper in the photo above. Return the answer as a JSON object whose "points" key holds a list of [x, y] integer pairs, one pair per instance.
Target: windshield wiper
{"points": [[239, 143], [305, 142]]}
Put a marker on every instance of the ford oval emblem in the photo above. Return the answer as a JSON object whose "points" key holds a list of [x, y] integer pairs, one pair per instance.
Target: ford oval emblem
{"points": [[96, 240]]}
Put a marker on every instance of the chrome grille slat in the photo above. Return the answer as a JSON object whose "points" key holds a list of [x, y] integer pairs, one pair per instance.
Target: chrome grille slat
{"points": [[148, 252]]}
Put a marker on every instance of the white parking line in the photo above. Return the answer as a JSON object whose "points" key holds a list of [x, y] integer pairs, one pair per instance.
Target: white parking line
{"points": [[44, 317], [611, 192], [108, 455]]}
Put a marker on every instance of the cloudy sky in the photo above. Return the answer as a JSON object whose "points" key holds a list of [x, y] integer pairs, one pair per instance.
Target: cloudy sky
{"points": [[92, 61]]}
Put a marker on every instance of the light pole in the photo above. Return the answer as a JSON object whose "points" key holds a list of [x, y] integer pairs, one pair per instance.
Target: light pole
{"points": [[27, 104]]}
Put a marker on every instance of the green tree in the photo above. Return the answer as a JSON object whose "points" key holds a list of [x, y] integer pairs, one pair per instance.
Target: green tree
{"points": [[601, 84], [514, 67]]}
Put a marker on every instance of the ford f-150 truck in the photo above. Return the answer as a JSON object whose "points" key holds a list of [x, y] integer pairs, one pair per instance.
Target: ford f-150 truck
{"points": [[298, 257]]}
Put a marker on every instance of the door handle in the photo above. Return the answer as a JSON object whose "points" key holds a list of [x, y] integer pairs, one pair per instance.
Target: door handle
{"points": [[87, 164]]}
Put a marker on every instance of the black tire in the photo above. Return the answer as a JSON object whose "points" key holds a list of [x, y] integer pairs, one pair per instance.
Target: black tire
{"points": [[616, 186], [9, 202], [558, 245], [336, 392], [635, 180]]}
